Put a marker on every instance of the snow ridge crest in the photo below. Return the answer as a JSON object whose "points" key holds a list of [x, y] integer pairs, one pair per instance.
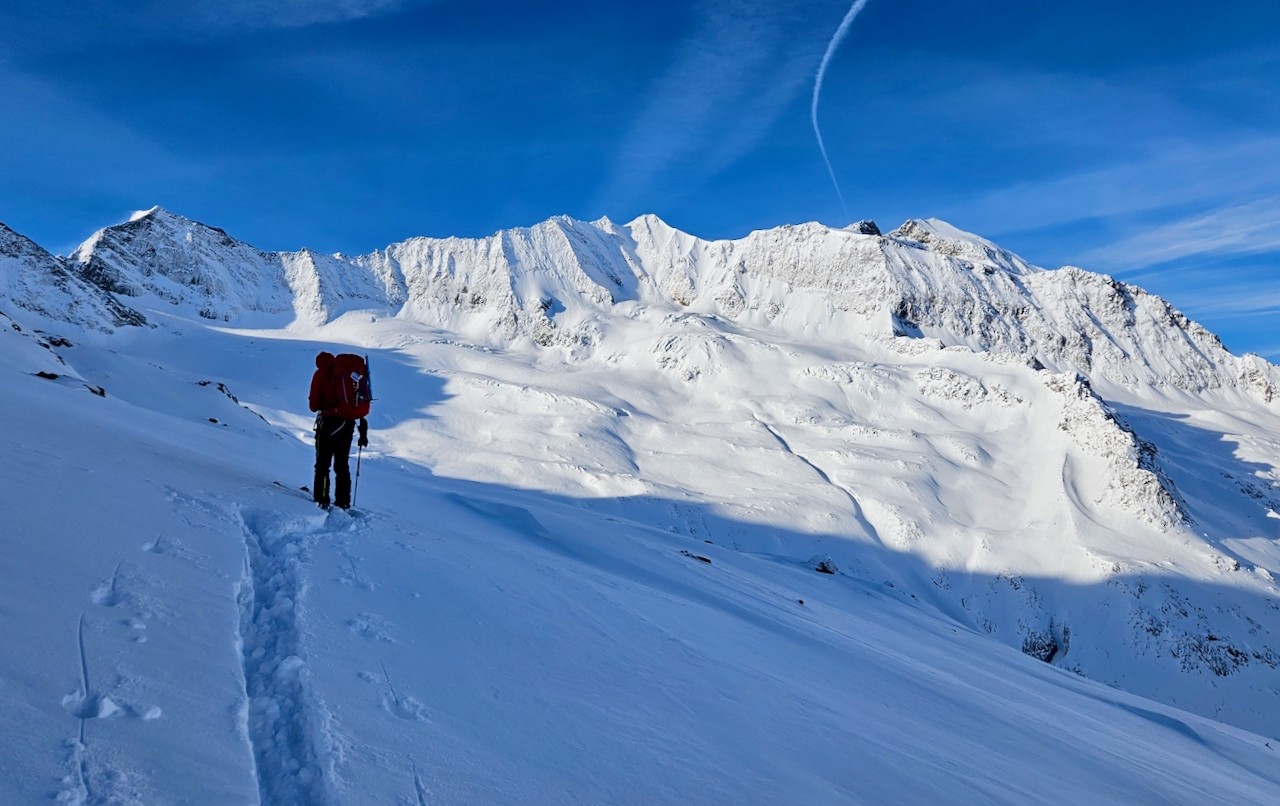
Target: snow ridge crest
{"points": [[553, 284]]}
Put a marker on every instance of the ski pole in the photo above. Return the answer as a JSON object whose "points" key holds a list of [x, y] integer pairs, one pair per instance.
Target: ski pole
{"points": [[355, 488]]}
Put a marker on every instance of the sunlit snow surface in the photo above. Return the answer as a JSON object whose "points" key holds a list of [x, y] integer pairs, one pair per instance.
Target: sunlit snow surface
{"points": [[587, 574]]}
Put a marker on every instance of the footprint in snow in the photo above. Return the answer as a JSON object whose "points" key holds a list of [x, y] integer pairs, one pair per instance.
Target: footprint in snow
{"points": [[107, 593], [144, 712], [370, 627], [138, 625], [162, 544], [115, 593], [350, 574], [405, 707], [102, 706], [90, 706]]}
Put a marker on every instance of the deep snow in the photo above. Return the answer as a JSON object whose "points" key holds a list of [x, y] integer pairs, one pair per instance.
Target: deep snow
{"points": [[585, 570]]}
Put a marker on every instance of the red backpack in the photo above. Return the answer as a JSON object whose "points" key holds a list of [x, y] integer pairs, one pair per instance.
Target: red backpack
{"points": [[344, 389], [354, 390]]}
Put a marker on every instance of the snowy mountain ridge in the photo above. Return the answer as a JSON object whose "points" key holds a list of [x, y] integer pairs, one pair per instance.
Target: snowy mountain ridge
{"points": [[807, 457], [553, 282]]}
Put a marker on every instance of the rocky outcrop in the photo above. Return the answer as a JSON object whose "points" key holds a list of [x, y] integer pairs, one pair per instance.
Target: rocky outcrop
{"points": [[1135, 482]]}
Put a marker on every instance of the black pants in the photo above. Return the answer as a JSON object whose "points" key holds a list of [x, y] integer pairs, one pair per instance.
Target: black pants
{"points": [[333, 446]]}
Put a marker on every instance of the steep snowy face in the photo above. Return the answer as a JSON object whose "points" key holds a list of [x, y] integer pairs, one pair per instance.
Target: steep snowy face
{"points": [[20, 248], [43, 285], [185, 263], [799, 276], [324, 287], [544, 283], [806, 281], [1067, 319], [930, 279], [941, 238]]}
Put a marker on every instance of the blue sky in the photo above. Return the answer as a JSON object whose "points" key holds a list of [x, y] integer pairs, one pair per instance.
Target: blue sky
{"points": [[1140, 139]]}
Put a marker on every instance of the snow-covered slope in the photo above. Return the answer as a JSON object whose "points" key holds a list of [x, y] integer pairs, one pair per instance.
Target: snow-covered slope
{"points": [[607, 463], [44, 286]]}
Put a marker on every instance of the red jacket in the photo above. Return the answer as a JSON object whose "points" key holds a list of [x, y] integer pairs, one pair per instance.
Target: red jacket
{"points": [[324, 390]]}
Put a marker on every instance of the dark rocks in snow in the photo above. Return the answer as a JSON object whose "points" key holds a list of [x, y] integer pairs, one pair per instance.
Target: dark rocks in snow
{"points": [[1218, 656], [824, 565], [1040, 645], [1178, 627], [866, 227], [53, 376], [905, 317], [697, 557], [221, 387]]}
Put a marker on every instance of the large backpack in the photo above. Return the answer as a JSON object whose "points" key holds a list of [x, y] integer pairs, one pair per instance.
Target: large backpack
{"points": [[352, 388]]}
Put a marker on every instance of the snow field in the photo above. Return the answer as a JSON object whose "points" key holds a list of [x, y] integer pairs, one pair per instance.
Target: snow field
{"points": [[606, 465], [471, 639]]}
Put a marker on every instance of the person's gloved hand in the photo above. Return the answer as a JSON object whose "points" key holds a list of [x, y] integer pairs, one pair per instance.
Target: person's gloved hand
{"points": [[364, 433]]}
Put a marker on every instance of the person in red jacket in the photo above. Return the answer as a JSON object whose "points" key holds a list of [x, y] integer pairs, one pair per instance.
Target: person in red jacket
{"points": [[336, 399]]}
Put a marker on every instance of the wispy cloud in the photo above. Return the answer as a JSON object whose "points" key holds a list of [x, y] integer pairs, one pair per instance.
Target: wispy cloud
{"points": [[293, 13], [727, 83], [181, 20], [1142, 151], [1243, 300], [1245, 229], [1170, 174]]}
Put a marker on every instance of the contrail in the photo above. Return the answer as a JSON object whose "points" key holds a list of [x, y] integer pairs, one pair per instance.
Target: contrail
{"points": [[817, 89]]}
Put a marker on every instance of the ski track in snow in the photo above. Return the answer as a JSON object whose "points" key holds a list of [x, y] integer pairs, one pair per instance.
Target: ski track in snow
{"points": [[288, 728]]}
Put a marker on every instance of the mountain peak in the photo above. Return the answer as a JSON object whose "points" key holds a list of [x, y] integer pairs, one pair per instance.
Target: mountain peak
{"points": [[183, 262], [943, 238], [15, 244]]}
